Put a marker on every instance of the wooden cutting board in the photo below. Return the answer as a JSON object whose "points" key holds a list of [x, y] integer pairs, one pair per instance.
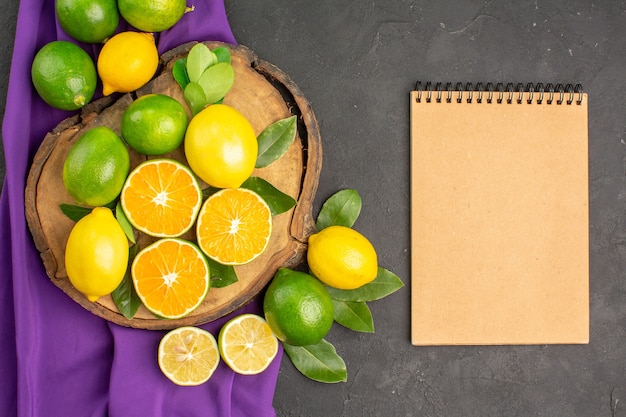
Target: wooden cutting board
{"points": [[262, 93]]}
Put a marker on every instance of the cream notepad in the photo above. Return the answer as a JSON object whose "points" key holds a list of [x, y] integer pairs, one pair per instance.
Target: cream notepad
{"points": [[499, 215]]}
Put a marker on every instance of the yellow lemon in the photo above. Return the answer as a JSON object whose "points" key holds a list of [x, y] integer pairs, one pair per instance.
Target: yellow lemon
{"points": [[221, 146], [96, 254], [342, 258], [127, 62]]}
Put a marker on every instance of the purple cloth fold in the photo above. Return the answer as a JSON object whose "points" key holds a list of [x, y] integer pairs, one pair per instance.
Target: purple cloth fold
{"points": [[57, 358]]}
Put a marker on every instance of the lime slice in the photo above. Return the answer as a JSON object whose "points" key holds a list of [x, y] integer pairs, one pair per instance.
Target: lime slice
{"points": [[188, 355], [247, 344]]}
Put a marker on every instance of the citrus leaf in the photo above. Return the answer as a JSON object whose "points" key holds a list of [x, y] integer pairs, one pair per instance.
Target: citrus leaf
{"points": [[354, 315], [216, 81], [75, 212], [199, 59], [223, 54], [194, 96], [208, 192], [179, 72], [318, 362], [124, 296], [274, 141], [341, 209], [385, 283], [221, 275], [124, 223], [277, 201]]}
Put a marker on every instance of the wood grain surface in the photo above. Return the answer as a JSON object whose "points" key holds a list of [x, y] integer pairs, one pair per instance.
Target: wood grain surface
{"points": [[263, 94]]}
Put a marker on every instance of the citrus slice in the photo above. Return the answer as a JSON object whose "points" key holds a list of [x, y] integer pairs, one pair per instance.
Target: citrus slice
{"points": [[234, 226], [161, 197], [171, 277], [188, 355], [247, 344]]}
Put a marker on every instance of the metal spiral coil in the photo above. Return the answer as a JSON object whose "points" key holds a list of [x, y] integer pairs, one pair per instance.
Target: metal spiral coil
{"points": [[510, 93]]}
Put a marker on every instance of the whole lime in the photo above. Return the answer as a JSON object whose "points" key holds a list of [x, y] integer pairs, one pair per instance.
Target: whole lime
{"points": [[152, 15], [154, 124], [64, 75], [221, 146], [342, 258], [96, 254], [96, 167], [92, 21], [298, 308]]}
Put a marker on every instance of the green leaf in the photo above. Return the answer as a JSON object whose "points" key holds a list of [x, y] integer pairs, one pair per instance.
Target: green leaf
{"points": [[124, 296], [179, 71], [75, 212], [274, 140], [216, 81], [221, 275], [124, 223], [199, 59], [209, 191], [385, 283], [194, 96], [318, 362], [223, 54], [277, 201], [341, 209], [354, 315]]}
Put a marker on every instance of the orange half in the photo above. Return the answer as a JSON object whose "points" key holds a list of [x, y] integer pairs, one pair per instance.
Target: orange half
{"points": [[234, 226], [161, 197], [171, 277]]}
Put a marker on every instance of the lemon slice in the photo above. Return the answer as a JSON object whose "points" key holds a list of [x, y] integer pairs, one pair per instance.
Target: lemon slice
{"points": [[247, 344], [188, 355]]}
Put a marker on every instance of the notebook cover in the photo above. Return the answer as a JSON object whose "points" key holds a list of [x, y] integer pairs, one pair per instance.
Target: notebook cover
{"points": [[499, 223]]}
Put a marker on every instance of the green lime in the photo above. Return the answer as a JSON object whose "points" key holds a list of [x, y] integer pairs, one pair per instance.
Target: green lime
{"points": [[96, 167], [152, 15], [64, 75], [92, 21], [298, 308], [154, 124]]}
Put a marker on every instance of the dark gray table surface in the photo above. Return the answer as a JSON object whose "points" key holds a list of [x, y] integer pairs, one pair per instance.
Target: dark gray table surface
{"points": [[356, 62]]}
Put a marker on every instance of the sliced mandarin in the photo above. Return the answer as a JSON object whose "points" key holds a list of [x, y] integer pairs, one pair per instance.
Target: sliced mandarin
{"points": [[171, 277], [161, 197], [234, 226]]}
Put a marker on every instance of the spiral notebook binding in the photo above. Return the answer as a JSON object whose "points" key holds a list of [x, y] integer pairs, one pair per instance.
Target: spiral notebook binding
{"points": [[510, 93]]}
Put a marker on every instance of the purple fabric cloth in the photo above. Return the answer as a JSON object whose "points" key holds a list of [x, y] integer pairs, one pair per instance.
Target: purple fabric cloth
{"points": [[57, 358]]}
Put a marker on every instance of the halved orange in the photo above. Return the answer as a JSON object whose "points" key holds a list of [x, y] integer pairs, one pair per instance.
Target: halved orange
{"points": [[171, 277], [161, 197], [188, 355], [234, 226]]}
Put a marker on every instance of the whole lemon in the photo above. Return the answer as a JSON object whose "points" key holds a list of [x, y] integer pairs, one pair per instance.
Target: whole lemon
{"points": [[96, 167], [342, 258], [152, 15], [64, 75], [127, 62], [154, 124], [96, 254], [91, 21], [221, 146], [298, 308]]}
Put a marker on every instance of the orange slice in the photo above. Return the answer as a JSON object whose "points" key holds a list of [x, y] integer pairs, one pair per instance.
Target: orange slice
{"points": [[161, 197], [171, 277], [188, 355], [247, 344], [234, 226]]}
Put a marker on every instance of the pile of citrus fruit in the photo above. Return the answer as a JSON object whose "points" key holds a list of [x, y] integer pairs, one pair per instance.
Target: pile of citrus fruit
{"points": [[189, 231]]}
